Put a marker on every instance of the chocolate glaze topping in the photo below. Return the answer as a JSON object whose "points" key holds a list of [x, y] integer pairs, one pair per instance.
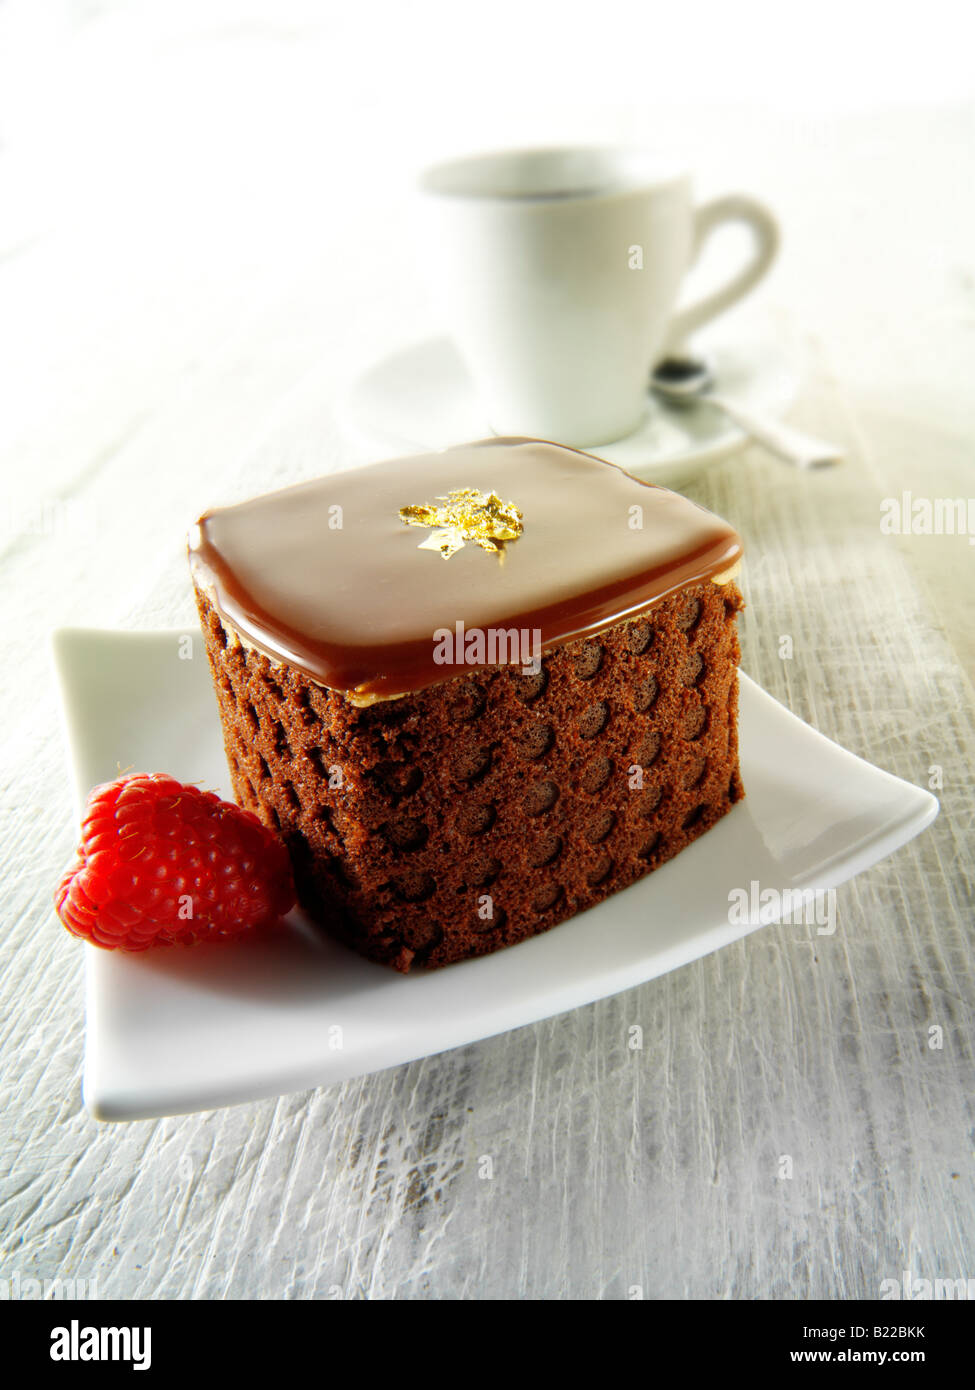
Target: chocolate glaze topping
{"points": [[355, 606]]}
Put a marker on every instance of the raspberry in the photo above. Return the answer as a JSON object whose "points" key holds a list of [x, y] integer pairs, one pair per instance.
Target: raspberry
{"points": [[160, 862]]}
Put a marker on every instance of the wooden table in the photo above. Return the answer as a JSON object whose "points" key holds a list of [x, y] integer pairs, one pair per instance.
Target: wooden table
{"points": [[175, 331]]}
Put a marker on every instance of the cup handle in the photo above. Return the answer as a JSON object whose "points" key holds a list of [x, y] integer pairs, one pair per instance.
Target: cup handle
{"points": [[734, 207]]}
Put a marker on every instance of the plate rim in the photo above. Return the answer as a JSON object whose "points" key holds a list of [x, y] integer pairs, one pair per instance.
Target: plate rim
{"points": [[669, 472]]}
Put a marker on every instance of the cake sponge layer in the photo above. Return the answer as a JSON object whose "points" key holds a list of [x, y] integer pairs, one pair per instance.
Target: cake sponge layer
{"points": [[482, 810]]}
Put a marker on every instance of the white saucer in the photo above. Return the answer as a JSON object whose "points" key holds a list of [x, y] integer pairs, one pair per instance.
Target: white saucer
{"points": [[179, 1030], [422, 398]]}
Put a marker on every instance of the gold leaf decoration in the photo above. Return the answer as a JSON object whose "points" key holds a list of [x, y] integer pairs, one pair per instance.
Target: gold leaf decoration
{"points": [[467, 515]]}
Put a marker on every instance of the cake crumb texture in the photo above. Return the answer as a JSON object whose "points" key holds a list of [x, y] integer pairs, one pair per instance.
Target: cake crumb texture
{"points": [[481, 811]]}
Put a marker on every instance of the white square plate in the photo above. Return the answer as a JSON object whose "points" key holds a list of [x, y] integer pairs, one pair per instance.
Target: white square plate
{"points": [[172, 1031]]}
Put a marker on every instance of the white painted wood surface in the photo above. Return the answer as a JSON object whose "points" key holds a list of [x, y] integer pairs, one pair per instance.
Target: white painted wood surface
{"points": [[201, 239]]}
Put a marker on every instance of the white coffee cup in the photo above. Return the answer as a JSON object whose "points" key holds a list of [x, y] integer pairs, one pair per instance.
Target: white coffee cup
{"points": [[559, 272]]}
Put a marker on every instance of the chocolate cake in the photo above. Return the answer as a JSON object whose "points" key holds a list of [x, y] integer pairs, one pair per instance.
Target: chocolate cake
{"points": [[468, 732]]}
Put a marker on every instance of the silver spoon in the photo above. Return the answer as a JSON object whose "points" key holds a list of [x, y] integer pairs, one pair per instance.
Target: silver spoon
{"points": [[683, 380]]}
